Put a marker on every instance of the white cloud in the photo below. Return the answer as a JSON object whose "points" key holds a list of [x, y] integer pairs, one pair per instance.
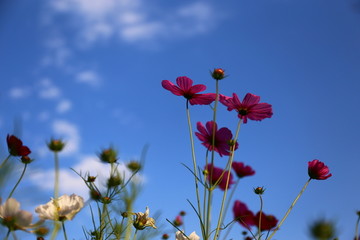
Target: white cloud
{"points": [[48, 90], [134, 20], [70, 182], [63, 106], [69, 133], [57, 51], [89, 77], [19, 92]]}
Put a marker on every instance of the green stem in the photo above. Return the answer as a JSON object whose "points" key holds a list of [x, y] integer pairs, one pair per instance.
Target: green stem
{"points": [[232, 153], [21, 176], [261, 208], [289, 210], [7, 235], [134, 238], [63, 226], [5, 161], [55, 230], [57, 171], [194, 161]]}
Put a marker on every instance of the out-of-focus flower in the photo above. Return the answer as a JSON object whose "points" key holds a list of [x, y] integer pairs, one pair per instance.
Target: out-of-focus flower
{"points": [[56, 145], [134, 166], [243, 215], [182, 213], [218, 176], [61, 209], [142, 220], [16, 147], [90, 179], [41, 231], [323, 229], [218, 74], [12, 217], [268, 222], [189, 91], [165, 236], [181, 236], [318, 170], [108, 155], [242, 170], [178, 221], [248, 108], [222, 140], [114, 181]]}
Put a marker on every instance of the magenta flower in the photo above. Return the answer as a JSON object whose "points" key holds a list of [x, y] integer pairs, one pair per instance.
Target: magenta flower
{"points": [[218, 176], [16, 147], [241, 170], [189, 91], [318, 170], [223, 138], [248, 108], [268, 222], [243, 215]]}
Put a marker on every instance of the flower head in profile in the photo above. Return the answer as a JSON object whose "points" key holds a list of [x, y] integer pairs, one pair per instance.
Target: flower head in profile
{"points": [[222, 140], [189, 91], [181, 236], [249, 107], [56, 145], [318, 170], [16, 147], [243, 215], [61, 209], [142, 220], [242, 170], [268, 222], [217, 176], [12, 217]]}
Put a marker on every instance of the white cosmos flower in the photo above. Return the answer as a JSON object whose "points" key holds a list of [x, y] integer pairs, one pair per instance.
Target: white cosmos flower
{"points": [[142, 220], [61, 209], [180, 236], [14, 218]]}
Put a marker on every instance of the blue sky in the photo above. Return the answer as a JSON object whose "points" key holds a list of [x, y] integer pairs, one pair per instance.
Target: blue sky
{"points": [[90, 73]]}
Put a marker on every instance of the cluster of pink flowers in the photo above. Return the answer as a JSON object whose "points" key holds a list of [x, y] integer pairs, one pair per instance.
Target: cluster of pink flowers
{"points": [[222, 141]]}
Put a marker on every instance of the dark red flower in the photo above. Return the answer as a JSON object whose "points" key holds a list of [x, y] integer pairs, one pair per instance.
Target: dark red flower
{"points": [[241, 170], [268, 222], [16, 147], [223, 138], [218, 176], [189, 91], [243, 215], [318, 170], [248, 108]]}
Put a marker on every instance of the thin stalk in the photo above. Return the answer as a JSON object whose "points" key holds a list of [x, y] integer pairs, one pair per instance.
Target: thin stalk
{"points": [[21, 176], [7, 235], [63, 227], [194, 160], [134, 238], [232, 153], [55, 230], [57, 171], [5, 161], [261, 208], [289, 210]]}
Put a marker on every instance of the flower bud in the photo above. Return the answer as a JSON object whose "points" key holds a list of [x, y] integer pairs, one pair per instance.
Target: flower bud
{"points": [[182, 213], [134, 166], [91, 179], [114, 181], [95, 195], [106, 200], [26, 159], [165, 236], [41, 231], [108, 155], [56, 145], [218, 74], [259, 190]]}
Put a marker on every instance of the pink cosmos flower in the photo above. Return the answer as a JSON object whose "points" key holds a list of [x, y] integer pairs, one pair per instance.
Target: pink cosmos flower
{"points": [[217, 176], [189, 91], [241, 170], [223, 138], [318, 170], [248, 108], [243, 215], [16, 147], [268, 222]]}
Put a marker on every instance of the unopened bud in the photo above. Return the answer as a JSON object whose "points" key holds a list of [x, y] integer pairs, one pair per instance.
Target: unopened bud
{"points": [[165, 236], [218, 74], [259, 190], [134, 166], [56, 145], [108, 155], [26, 159]]}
